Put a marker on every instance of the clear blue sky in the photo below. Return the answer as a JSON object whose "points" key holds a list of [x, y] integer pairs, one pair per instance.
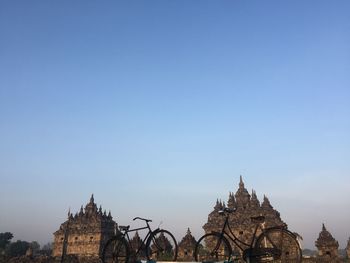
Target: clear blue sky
{"points": [[157, 107]]}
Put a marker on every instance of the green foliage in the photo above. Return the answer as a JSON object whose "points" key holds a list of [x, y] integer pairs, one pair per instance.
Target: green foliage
{"points": [[5, 239], [35, 246], [18, 248], [47, 249]]}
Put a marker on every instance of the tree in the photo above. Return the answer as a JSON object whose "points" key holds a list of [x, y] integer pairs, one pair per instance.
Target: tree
{"points": [[5, 239], [35, 246], [18, 248], [47, 249]]}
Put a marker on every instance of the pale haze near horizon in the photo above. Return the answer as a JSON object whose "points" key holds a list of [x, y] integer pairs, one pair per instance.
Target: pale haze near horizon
{"points": [[157, 107]]}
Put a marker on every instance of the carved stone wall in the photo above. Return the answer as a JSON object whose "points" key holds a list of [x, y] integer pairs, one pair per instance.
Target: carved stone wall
{"points": [[186, 247], [85, 233], [327, 247], [137, 245], [246, 206]]}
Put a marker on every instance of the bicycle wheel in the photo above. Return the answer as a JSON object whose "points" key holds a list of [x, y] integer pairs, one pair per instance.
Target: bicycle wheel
{"points": [[212, 247], [116, 250], [161, 246], [277, 245]]}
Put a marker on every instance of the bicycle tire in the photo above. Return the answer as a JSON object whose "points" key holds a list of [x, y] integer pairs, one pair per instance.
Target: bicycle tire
{"points": [[279, 245], [212, 247], [116, 250], [161, 246]]}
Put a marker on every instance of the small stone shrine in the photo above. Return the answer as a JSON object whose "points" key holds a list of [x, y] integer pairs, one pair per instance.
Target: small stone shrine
{"points": [[186, 247], [136, 244], [327, 247]]}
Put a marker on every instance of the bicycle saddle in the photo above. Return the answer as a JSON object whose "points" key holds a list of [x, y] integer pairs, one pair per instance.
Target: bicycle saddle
{"points": [[147, 220], [124, 228], [258, 219]]}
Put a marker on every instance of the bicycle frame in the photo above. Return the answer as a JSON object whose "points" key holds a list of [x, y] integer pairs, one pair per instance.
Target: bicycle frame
{"points": [[239, 243], [267, 245], [122, 248], [149, 233]]}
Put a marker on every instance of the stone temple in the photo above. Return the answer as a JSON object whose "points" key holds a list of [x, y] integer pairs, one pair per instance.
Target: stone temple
{"points": [[186, 247], [246, 206], [85, 233], [327, 247]]}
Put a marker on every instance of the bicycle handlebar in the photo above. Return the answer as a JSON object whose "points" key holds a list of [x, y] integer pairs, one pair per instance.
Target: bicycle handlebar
{"points": [[147, 220]]}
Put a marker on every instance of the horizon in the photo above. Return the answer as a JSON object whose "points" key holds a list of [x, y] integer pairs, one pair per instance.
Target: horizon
{"points": [[158, 107], [162, 220]]}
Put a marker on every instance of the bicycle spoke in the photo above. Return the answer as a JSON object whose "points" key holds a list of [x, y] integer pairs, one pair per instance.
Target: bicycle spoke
{"points": [[115, 251], [212, 248], [162, 246], [277, 245]]}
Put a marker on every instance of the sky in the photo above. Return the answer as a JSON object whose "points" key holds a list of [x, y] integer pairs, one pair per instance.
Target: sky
{"points": [[157, 108]]}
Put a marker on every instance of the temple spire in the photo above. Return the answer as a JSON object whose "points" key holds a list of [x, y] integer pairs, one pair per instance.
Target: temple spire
{"points": [[241, 184], [81, 210], [231, 203], [266, 203], [217, 205], [254, 202], [92, 199], [242, 196]]}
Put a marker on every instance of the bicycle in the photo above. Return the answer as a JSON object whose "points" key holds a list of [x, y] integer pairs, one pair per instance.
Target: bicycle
{"points": [[158, 245], [275, 244]]}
